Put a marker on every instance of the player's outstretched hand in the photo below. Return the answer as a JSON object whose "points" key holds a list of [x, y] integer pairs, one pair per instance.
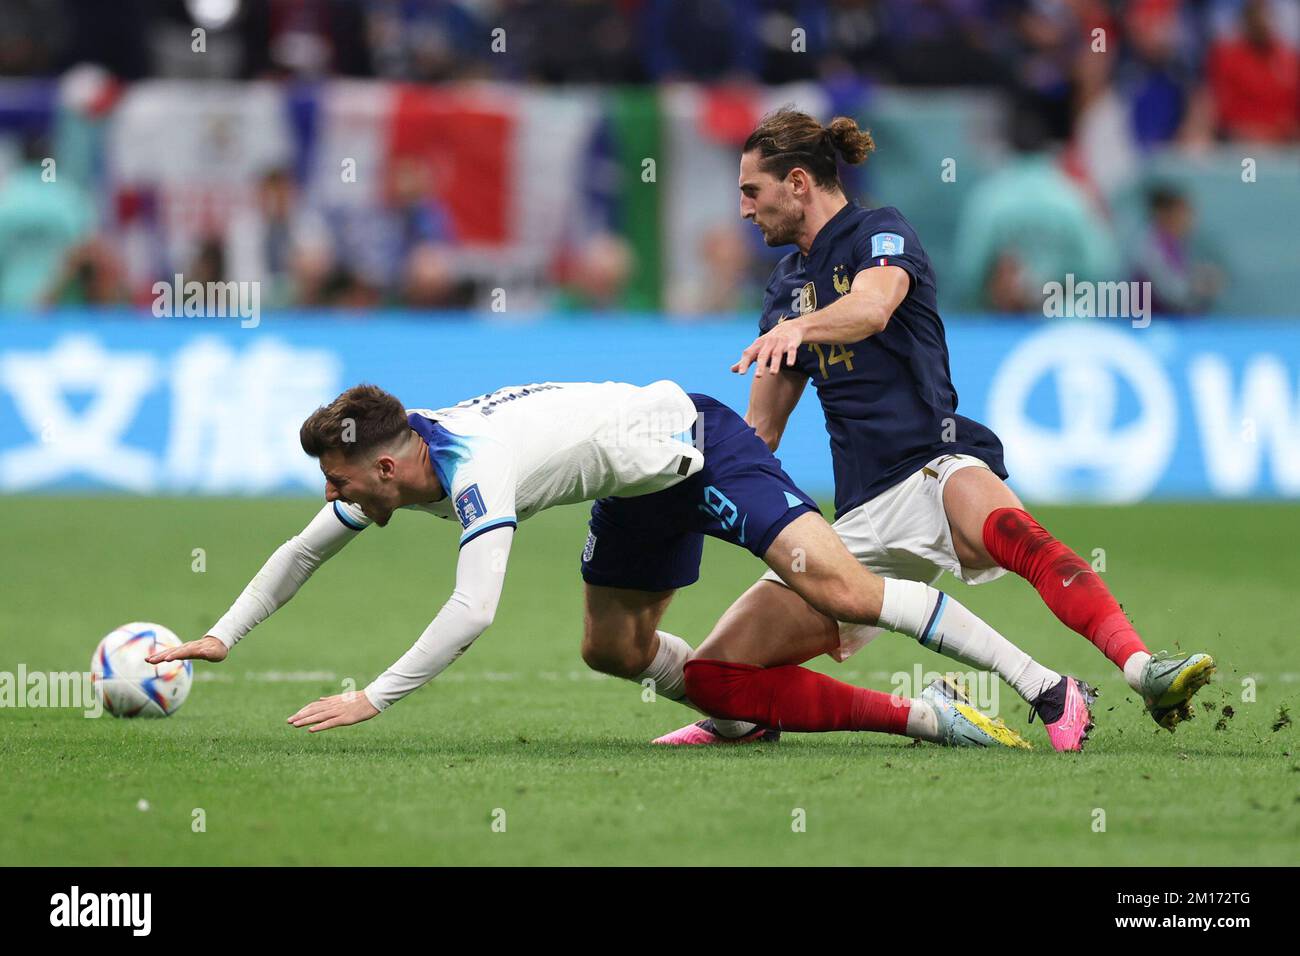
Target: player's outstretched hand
{"points": [[204, 649], [337, 711], [776, 347]]}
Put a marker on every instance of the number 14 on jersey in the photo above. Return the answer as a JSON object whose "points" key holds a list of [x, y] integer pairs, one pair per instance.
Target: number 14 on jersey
{"points": [[838, 354]]}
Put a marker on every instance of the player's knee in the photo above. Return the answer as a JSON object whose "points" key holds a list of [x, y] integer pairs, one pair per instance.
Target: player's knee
{"points": [[844, 602], [617, 658]]}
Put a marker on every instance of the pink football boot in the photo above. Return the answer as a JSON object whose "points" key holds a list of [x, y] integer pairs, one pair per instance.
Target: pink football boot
{"points": [[1069, 703], [704, 732]]}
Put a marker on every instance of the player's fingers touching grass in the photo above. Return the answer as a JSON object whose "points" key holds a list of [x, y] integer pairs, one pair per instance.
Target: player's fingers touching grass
{"points": [[309, 711], [204, 649], [337, 711], [343, 715], [327, 725]]}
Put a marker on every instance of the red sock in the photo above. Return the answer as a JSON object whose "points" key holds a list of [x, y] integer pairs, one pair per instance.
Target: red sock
{"points": [[791, 698], [1067, 583]]}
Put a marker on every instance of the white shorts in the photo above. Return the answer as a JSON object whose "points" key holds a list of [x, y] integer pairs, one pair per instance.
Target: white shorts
{"points": [[903, 533]]}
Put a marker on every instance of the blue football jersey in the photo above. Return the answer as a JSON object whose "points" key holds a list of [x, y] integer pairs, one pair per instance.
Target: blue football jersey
{"points": [[889, 400]]}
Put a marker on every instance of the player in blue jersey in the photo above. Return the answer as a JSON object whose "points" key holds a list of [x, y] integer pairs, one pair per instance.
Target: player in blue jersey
{"points": [[919, 488], [664, 469]]}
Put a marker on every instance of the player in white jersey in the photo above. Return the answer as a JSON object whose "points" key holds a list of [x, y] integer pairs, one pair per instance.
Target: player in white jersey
{"points": [[664, 468]]}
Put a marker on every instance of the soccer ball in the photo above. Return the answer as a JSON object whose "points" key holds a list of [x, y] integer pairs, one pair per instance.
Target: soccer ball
{"points": [[129, 685]]}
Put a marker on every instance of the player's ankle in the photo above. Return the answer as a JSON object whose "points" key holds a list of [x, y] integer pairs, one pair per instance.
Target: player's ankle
{"points": [[922, 721], [1133, 669]]}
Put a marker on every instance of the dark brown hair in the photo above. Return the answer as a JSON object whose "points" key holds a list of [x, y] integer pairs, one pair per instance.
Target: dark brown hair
{"points": [[788, 138], [361, 420]]}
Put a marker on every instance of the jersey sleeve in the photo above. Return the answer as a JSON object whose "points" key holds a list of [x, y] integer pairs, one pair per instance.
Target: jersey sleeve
{"points": [[483, 489], [350, 516], [887, 239]]}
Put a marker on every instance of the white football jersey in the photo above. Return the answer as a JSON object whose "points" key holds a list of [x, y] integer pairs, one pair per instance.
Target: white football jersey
{"points": [[504, 456]]}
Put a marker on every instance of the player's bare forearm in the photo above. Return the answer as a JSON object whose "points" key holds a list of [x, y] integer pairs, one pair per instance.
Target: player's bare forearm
{"points": [[861, 312], [771, 400], [851, 318]]}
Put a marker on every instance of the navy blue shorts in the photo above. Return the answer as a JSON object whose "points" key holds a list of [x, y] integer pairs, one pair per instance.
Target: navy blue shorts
{"points": [[742, 495]]}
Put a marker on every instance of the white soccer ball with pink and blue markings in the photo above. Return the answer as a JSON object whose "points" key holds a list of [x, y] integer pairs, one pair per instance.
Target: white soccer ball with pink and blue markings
{"points": [[130, 685]]}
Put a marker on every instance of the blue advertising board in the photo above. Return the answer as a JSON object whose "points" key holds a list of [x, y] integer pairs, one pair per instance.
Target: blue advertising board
{"points": [[1088, 411]]}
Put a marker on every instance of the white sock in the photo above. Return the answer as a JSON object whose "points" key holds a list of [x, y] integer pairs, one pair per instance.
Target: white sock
{"points": [[732, 728], [667, 671], [944, 624], [1133, 669], [922, 721]]}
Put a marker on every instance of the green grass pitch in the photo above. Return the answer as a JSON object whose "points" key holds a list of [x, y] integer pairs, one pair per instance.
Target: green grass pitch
{"points": [[519, 725]]}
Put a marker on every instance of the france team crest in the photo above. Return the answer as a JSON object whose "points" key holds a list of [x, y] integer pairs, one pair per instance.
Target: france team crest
{"points": [[469, 506], [806, 298], [886, 244]]}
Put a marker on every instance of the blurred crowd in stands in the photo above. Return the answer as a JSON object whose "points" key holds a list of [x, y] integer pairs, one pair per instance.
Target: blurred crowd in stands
{"points": [[1174, 74], [1187, 68]]}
